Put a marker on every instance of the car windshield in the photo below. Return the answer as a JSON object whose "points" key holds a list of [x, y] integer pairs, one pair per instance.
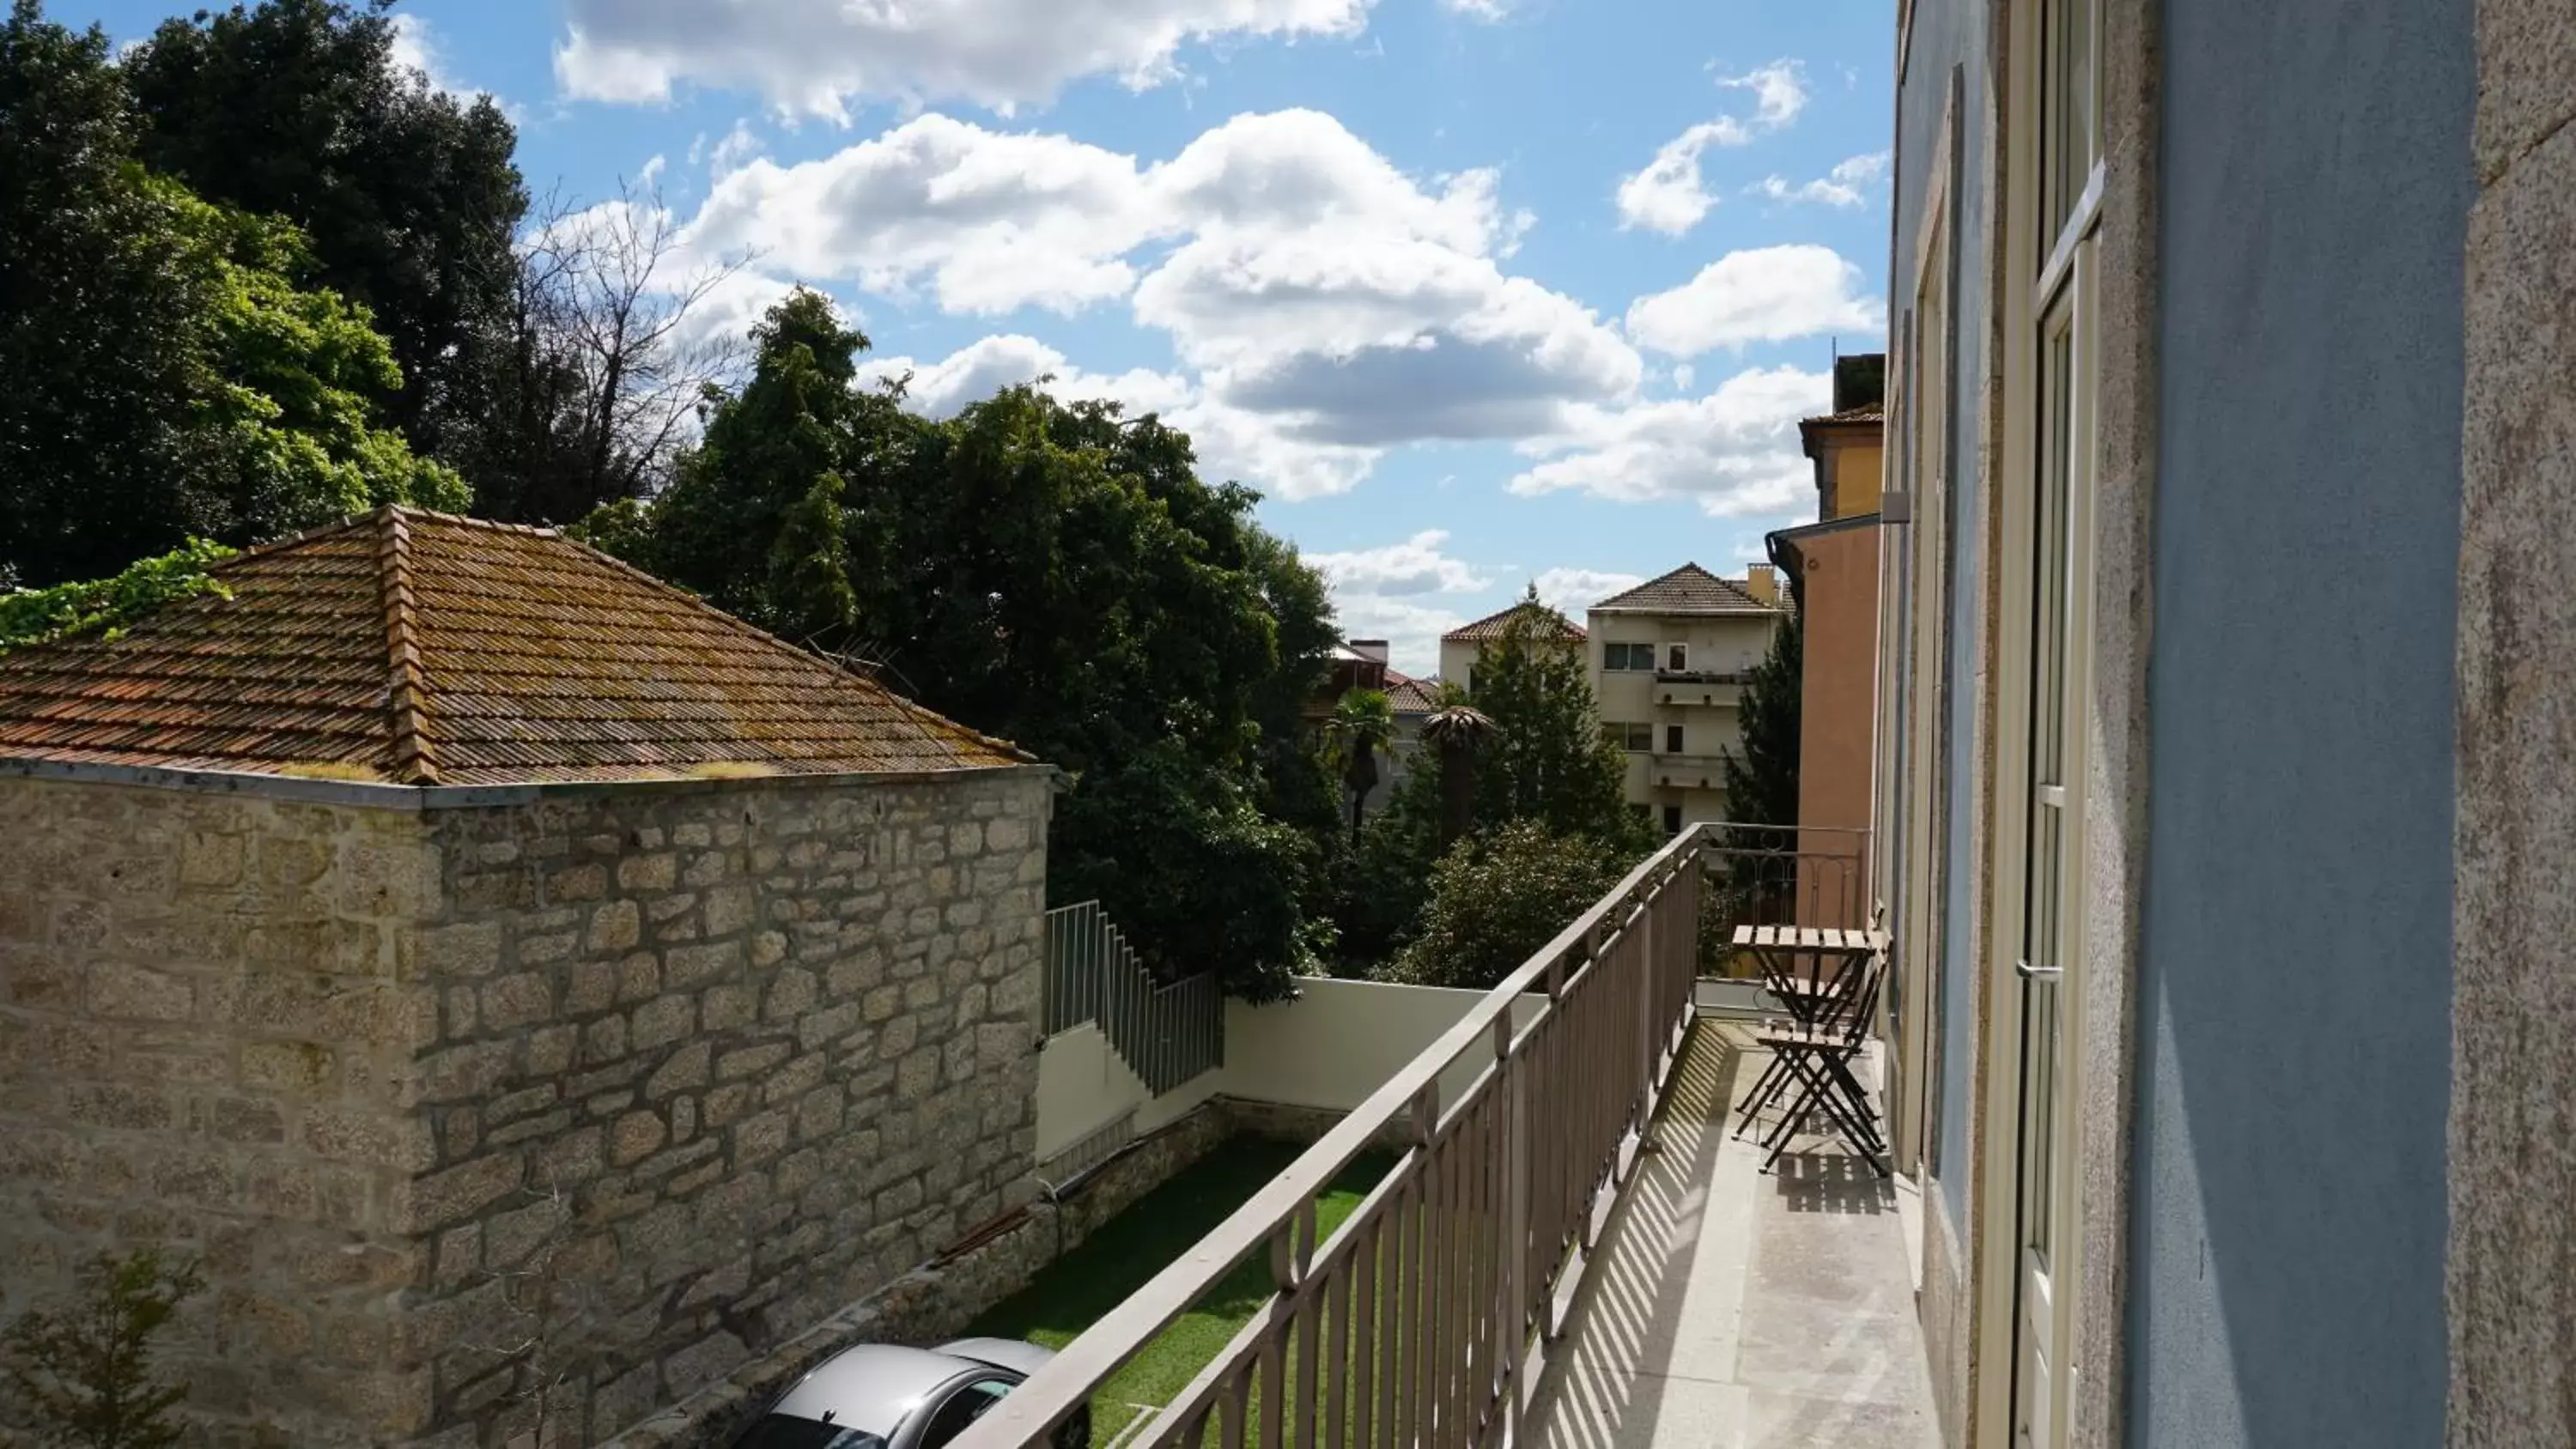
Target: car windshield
{"points": [[786, 1431]]}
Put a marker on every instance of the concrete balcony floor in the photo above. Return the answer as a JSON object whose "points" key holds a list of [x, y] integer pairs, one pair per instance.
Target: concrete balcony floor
{"points": [[1729, 1309]]}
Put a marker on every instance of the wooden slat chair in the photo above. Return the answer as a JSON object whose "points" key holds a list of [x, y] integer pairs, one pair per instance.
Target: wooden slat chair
{"points": [[1816, 1059], [1807, 998]]}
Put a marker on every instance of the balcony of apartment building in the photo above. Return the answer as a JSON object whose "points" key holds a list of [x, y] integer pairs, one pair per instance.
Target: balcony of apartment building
{"points": [[1573, 1246]]}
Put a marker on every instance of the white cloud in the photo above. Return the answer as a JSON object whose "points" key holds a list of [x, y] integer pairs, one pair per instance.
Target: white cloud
{"points": [[1766, 294], [1842, 186], [1325, 304], [1779, 92], [1669, 194], [416, 48], [1571, 591], [989, 220], [735, 151], [1229, 442], [811, 58], [728, 308], [1415, 566], [1391, 593], [1734, 451]]}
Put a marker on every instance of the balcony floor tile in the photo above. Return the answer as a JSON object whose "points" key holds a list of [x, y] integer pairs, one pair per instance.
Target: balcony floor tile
{"points": [[1732, 1310]]}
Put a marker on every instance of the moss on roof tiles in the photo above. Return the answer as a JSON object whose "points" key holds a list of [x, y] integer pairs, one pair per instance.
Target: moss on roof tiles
{"points": [[424, 648]]}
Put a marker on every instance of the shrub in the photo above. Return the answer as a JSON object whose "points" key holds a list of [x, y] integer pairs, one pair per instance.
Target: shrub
{"points": [[85, 1371], [1499, 896]]}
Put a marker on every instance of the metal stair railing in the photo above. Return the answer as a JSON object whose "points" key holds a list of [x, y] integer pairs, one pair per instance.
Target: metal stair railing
{"points": [[1166, 1031]]}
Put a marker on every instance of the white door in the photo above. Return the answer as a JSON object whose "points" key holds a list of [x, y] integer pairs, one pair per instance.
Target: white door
{"points": [[2068, 189], [2052, 896]]}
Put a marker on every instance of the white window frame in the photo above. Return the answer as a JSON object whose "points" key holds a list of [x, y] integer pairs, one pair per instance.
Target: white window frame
{"points": [[2061, 259]]}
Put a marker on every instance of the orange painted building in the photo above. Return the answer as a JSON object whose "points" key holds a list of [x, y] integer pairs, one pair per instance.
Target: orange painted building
{"points": [[1832, 568]]}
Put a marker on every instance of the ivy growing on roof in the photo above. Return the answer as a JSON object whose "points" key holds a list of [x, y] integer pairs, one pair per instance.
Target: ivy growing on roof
{"points": [[40, 616]]}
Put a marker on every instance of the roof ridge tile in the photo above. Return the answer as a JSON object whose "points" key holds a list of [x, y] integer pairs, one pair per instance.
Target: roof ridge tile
{"points": [[414, 758]]}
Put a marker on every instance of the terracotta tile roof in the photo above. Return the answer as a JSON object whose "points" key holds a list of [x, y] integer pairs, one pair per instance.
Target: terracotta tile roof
{"points": [[1689, 589], [1865, 413], [1409, 695], [423, 648], [1491, 626]]}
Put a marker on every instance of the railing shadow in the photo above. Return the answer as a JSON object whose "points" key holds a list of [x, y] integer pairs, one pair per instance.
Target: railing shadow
{"points": [[1620, 1335]]}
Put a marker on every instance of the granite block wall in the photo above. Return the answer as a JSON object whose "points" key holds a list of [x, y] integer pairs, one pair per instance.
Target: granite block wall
{"points": [[548, 1107]]}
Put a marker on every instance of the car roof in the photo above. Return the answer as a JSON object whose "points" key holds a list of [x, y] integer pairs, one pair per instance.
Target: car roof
{"points": [[873, 1386]]}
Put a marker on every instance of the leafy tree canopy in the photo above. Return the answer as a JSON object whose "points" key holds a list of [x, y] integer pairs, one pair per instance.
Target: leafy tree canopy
{"points": [[297, 108], [165, 374], [1548, 760], [1052, 573], [1497, 897]]}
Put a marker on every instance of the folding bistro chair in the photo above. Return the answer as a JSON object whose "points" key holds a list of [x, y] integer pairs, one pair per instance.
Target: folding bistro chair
{"points": [[1814, 1058], [1806, 997]]}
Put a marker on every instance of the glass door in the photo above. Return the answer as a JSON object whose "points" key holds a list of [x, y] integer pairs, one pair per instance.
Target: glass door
{"points": [[2068, 184]]}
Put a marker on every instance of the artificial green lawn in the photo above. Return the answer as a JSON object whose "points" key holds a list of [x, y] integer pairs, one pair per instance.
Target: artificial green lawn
{"points": [[1074, 1291]]}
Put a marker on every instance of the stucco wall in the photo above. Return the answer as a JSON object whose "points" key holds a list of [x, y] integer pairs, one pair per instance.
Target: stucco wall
{"points": [[2512, 1159], [1836, 745], [2293, 996], [1951, 50], [713, 1065], [1342, 1040], [208, 1006]]}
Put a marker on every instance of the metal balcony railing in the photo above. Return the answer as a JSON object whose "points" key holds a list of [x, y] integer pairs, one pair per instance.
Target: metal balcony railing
{"points": [[1420, 1321]]}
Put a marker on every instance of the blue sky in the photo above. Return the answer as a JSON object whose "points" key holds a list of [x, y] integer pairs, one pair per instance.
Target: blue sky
{"points": [[1478, 292]]}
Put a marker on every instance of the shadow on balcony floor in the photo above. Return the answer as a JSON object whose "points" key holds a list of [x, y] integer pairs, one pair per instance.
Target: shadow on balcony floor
{"points": [[1730, 1310]]}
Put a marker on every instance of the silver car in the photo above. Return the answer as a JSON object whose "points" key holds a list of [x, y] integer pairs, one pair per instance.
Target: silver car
{"points": [[880, 1396]]}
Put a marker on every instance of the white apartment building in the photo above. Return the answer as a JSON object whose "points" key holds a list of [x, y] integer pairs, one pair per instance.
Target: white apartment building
{"points": [[1669, 662]]}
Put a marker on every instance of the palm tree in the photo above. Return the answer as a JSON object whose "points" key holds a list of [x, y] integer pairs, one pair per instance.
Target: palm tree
{"points": [[1364, 721], [1457, 731]]}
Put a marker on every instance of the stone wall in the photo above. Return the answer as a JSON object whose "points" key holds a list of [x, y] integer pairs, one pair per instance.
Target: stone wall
{"points": [[2511, 1273], [482, 1106], [204, 1022], [710, 1066]]}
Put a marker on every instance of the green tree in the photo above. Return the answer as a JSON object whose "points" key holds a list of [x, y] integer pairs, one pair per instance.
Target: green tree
{"points": [[1381, 882], [1055, 574], [1496, 898], [750, 523], [1550, 761], [164, 374], [297, 108], [1363, 722], [85, 1373], [1457, 733], [1762, 781]]}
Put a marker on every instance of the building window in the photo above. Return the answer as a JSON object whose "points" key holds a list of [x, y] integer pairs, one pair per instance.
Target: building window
{"points": [[1637, 736], [1677, 658], [1672, 820], [1628, 658], [1672, 739]]}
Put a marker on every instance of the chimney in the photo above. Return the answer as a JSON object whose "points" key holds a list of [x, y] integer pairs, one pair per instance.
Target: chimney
{"points": [[1369, 649], [1762, 583]]}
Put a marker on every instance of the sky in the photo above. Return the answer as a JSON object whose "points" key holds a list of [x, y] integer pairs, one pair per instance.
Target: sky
{"points": [[1477, 293]]}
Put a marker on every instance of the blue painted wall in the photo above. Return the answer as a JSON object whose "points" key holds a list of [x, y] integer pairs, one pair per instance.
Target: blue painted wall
{"points": [[2294, 981], [1947, 52]]}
